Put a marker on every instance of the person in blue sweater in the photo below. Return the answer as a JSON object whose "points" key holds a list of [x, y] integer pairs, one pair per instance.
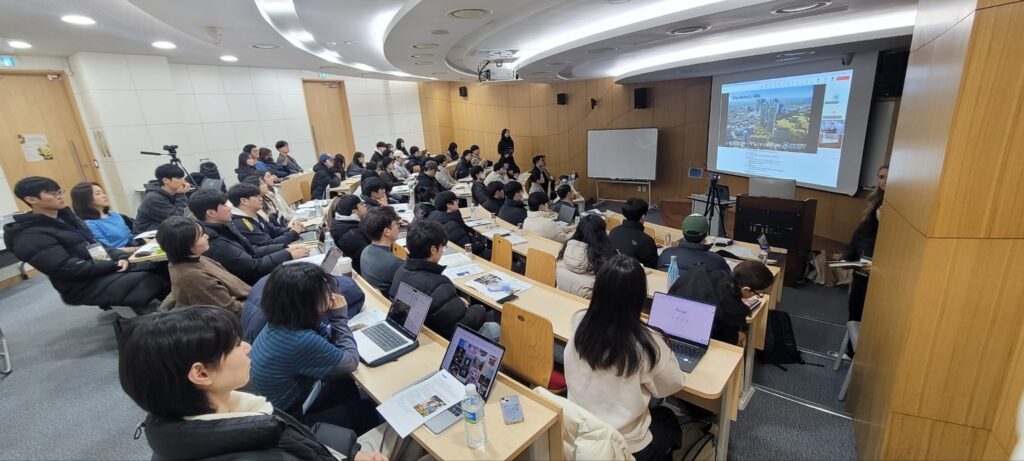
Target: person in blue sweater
{"points": [[90, 202], [307, 339]]}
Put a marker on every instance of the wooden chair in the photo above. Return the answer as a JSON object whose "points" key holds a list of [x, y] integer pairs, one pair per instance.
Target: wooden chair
{"points": [[650, 231], [612, 222], [540, 266], [501, 252], [529, 347], [306, 187], [400, 251], [673, 212]]}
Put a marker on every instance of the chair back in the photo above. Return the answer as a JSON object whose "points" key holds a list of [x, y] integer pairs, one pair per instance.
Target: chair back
{"points": [[306, 187], [529, 344], [541, 266], [400, 251], [501, 252], [612, 222], [650, 231]]}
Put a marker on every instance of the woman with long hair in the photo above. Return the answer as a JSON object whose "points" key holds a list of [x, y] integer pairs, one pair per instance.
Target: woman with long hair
{"points": [[356, 167], [339, 166], [506, 142], [278, 211], [582, 255], [247, 161], [453, 152], [862, 245], [400, 147], [266, 157], [196, 279], [91, 203], [615, 364]]}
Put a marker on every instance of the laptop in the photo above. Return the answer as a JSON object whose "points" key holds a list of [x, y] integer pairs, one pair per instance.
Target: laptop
{"points": [[471, 359], [566, 213], [331, 259], [210, 183], [687, 324], [394, 337], [773, 257]]}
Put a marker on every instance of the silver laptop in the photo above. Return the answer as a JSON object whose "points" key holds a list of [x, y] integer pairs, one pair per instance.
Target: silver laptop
{"points": [[769, 187], [566, 213], [331, 259], [687, 324], [394, 337], [471, 359]]}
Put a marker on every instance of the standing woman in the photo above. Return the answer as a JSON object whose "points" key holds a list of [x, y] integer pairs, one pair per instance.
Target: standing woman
{"points": [[506, 142], [862, 245], [615, 364], [356, 167], [91, 204]]}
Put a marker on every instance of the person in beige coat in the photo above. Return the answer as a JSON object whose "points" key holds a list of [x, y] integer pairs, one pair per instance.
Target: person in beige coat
{"points": [[582, 255], [540, 220], [196, 279]]}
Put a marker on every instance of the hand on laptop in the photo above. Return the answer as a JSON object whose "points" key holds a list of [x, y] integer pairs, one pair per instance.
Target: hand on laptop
{"points": [[296, 226], [298, 251]]}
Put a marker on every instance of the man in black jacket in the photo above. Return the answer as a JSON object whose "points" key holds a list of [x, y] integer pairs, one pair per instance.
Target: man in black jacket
{"points": [[230, 248], [478, 189], [165, 197], [247, 220], [426, 177], [348, 211], [375, 192], [495, 196], [691, 251], [285, 159], [513, 210], [324, 177], [630, 239], [426, 242], [447, 214], [54, 241]]}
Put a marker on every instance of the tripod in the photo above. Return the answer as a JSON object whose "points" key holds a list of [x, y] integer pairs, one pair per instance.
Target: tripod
{"points": [[714, 205], [172, 151]]}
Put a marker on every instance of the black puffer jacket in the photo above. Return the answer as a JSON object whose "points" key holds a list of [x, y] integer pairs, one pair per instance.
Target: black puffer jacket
{"points": [[447, 309], [157, 205], [513, 212], [494, 205], [479, 193], [59, 249], [323, 178], [349, 239], [277, 436], [457, 230], [239, 257]]}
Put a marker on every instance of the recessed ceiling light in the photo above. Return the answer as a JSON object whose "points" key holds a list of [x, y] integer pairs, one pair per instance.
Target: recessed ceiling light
{"points": [[469, 13], [265, 46], [689, 30], [439, 32], [794, 53], [78, 19], [228, 58], [601, 50], [802, 7], [19, 44], [351, 42], [421, 56], [164, 45], [794, 58], [423, 63], [303, 36], [425, 46]]}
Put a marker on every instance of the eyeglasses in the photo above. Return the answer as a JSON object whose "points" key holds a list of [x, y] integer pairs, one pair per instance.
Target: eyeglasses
{"points": [[56, 193]]}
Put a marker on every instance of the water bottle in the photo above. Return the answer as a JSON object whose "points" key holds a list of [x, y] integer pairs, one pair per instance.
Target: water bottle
{"points": [[673, 272], [469, 249], [668, 239], [494, 220], [328, 241], [763, 256], [318, 207], [473, 417], [472, 209]]}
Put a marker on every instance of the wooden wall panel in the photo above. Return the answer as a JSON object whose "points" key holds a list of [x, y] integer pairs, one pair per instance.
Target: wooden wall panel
{"points": [[912, 437], [436, 112], [1004, 430]]}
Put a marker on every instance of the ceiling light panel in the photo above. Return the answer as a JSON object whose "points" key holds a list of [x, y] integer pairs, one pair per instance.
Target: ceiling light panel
{"points": [[164, 45], [228, 58], [77, 19], [19, 44], [796, 8]]}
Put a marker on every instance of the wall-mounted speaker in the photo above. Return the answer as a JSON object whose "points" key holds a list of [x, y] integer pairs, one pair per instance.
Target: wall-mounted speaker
{"points": [[640, 96], [463, 91], [561, 98]]}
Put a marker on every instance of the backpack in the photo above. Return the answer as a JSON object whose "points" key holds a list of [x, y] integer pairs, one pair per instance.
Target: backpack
{"points": [[779, 342], [714, 287]]}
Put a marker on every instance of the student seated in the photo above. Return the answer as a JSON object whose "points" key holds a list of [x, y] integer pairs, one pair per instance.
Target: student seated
{"points": [[495, 196], [285, 159], [564, 197], [513, 210], [734, 296], [307, 339], [615, 364], [323, 177], [428, 177], [630, 239], [266, 157], [447, 214], [374, 192], [165, 197], [184, 368], [499, 172], [229, 247], [425, 195], [347, 211], [443, 178], [426, 242], [377, 263], [465, 164], [92, 205], [542, 221], [55, 242], [197, 279], [478, 188], [253, 320], [356, 167], [247, 219], [540, 179], [691, 250], [274, 208], [582, 255]]}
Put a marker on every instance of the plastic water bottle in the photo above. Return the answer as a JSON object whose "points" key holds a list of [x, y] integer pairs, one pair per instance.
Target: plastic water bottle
{"points": [[473, 417], [469, 249], [472, 209], [668, 239], [763, 256], [318, 207], [494, 220], [328, 241], [673, 272]]}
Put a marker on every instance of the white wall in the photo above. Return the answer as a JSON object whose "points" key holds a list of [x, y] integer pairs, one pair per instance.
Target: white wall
{"points": [[383, 110]]}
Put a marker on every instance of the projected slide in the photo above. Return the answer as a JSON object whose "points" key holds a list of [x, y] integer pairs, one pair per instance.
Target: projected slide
{"points": [[790, 127]]}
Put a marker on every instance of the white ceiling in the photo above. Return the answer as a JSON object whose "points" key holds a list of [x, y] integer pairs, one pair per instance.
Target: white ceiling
{"points": [[555, 40]]}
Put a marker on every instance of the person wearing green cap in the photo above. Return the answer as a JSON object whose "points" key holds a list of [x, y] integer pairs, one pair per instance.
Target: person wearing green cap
{"points": [[691, 251]]}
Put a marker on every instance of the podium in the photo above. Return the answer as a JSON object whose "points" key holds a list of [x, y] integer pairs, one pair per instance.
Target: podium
{"points": [[700, 203], [786, 223]]}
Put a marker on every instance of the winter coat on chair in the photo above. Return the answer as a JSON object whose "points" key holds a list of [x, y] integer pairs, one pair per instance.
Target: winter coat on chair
{"points": [[572, 274]]}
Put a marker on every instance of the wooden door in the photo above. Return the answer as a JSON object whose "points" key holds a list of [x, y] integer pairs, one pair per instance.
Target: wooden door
{"points": [[327, 105], [40, 104]]}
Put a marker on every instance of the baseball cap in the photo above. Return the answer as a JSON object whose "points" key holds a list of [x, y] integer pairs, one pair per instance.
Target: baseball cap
{"points": [[696, 225]]}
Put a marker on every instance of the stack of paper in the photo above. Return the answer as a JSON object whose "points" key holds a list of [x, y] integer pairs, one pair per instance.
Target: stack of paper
{"points": [[478, 222], [147, 235], [458, 265], [515, 239], [497, 285]]}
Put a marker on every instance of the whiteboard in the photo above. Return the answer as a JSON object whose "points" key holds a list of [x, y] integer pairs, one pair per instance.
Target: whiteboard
{"points": [[622, 154]]}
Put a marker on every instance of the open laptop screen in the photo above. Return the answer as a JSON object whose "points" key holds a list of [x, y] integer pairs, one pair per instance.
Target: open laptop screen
{"points": [[409, 308], [566, 213], [473, 359], [682, 318], [331, 259]]}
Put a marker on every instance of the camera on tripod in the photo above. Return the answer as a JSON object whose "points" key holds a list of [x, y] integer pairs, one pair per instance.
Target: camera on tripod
{"points": [[171, 149]]}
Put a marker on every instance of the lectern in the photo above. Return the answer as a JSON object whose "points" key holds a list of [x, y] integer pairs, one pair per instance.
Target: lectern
{"points": [[786, 223]]}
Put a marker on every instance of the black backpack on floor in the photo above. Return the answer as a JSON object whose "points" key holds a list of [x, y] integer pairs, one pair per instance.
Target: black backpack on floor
{"points": [[779, 342]]}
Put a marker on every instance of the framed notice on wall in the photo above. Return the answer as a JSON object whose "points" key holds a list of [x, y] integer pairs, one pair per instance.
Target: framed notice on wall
{"points": [[35, 146]]}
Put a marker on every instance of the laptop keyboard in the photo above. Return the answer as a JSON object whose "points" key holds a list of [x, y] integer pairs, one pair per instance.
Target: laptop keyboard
{"points": [[456, 409], [383, 336], [686, 350]]}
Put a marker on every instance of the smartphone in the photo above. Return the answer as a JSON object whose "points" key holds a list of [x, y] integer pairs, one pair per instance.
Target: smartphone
{"points": [[511, 412]]}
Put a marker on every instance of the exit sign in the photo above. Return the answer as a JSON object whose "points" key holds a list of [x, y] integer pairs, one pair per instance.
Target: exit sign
{"points": [[6, 61], [322, 74]]}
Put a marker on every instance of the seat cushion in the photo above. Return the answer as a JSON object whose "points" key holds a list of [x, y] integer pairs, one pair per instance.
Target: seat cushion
{"points": [[557, 381]]}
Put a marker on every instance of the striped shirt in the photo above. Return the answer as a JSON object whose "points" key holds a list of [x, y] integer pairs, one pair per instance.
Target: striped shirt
{"points": [[286, 363]]}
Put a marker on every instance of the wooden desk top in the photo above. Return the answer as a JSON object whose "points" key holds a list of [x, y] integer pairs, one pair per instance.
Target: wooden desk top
{"points": [[503, 441], [347, 186], [533, 240]]}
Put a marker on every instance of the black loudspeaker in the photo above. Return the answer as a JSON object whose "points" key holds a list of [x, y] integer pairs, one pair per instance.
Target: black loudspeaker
{"points": [[561, 98], [890, 73], [640, 98], [463, 91]]}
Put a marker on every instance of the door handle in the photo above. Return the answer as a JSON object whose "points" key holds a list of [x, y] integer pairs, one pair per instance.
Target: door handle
{"points": [[78, 161]]}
